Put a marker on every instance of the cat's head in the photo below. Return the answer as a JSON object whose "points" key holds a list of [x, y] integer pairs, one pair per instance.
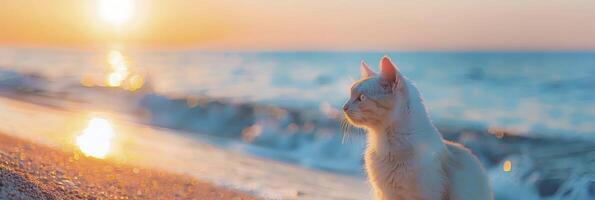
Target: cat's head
{"points": [[376, 97]]}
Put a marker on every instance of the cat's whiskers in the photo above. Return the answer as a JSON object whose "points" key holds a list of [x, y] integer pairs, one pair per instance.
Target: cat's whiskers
{"points": [[347, 129], [344, 129]]}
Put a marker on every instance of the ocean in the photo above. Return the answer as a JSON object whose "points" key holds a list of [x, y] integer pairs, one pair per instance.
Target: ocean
{"points": [[524, 92]]}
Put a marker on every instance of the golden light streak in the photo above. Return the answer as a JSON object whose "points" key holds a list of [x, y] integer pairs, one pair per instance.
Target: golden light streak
{"points": [[119, 68], [118, 74]]}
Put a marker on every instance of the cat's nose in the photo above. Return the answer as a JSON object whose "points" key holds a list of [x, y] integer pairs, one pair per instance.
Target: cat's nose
{"points": [[345, 107]]}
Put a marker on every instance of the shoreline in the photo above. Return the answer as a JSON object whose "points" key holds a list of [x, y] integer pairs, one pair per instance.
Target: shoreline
{"points": [[216, 161], [177, 152]]}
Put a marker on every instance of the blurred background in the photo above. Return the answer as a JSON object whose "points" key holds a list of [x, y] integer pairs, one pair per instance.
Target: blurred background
{"points": [[513, 81]]}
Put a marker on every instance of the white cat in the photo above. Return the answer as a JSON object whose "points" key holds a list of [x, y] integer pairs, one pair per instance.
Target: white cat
{"points": [[406, 157]]}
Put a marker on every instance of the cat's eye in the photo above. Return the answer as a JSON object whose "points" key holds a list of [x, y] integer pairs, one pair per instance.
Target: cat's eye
{"points": [[361, 97]]}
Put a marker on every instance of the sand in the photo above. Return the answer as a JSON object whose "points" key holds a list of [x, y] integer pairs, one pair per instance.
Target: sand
{"points": [[31, 171], [194, 155]]}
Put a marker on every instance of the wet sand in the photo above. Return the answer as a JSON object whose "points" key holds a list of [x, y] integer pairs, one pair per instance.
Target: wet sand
{"points": [[31, 171]]}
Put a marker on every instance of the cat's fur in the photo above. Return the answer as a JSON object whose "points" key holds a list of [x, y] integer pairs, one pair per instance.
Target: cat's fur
{"points": [[406, 157]]}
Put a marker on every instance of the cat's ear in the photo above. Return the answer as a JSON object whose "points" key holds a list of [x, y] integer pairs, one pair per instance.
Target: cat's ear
{"points": [[366, 71], [389, 73]]}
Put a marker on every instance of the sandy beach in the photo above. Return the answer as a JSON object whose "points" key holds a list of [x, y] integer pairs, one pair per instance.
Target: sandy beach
{"points": [[31, 171], [148, 147]]}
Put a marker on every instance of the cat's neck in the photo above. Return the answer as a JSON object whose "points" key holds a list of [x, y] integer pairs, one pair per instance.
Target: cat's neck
{"points": [[408, 127], [409, 116]]}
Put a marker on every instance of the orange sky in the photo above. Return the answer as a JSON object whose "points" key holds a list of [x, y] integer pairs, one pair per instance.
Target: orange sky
{"points": [[308, 24]]}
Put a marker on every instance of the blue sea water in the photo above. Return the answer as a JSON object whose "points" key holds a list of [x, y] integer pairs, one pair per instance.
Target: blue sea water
{"points": [[524, 92]]}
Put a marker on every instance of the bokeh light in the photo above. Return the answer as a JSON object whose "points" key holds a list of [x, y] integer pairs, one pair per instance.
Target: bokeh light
{"points": [[507, 166], [95, 140]]}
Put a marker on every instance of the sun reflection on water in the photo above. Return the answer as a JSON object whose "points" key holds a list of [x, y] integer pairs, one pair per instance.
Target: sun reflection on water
{"points": [[118, 74], [135, 82], [119, 69], [95, 140]]}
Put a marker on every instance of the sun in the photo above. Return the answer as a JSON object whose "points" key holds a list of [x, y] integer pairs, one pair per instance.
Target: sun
{"points": [[116, 12]]}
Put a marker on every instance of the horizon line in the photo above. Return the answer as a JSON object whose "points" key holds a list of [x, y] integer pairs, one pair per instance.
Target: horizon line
{"points": [[272, 50]]}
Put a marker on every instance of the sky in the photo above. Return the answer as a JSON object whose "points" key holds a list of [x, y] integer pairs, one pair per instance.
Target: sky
{"points": [[286, 25]]}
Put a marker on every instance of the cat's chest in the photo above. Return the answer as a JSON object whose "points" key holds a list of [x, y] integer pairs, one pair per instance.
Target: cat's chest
{"points": [[403, 175], [392, 171]]}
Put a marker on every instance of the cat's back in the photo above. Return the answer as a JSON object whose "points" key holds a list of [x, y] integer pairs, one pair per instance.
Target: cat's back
{"points": [[466, 177]]}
